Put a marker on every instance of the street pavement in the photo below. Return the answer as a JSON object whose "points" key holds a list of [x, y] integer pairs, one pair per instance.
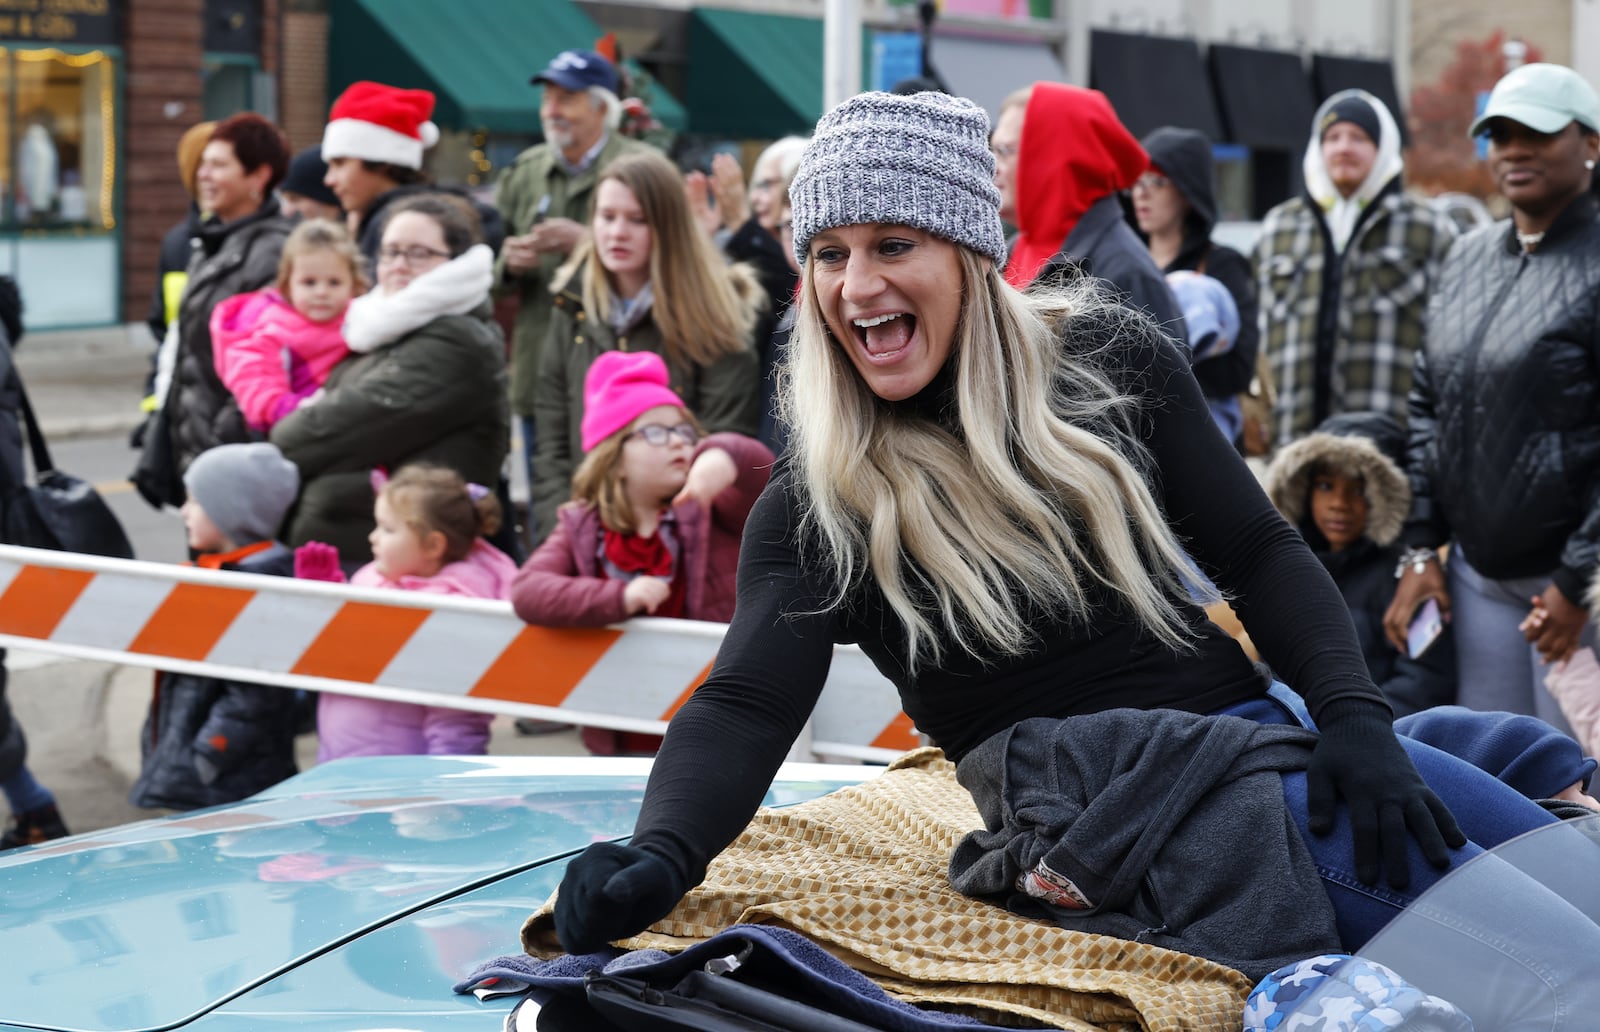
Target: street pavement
{"points": [[83, 718]]}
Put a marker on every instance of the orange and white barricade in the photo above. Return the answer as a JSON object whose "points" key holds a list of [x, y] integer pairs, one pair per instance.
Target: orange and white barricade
{"points": [[405, 646]]}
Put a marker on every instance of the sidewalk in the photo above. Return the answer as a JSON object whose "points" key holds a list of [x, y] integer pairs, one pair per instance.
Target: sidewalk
{"points": [[85, 382]]}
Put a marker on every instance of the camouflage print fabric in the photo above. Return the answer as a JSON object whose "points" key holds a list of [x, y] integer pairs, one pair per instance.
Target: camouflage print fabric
{"points": [[864, 872], [1341, 993], [1389, 267]]}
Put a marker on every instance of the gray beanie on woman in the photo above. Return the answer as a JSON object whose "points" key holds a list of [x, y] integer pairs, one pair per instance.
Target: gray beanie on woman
{"points": [[920, 161]]}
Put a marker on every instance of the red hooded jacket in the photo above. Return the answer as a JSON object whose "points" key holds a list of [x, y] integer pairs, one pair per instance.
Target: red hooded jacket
{"points": [[1074, 151]]}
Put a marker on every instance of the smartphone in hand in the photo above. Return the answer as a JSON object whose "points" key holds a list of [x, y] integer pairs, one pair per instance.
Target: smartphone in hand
{"points": [[1425, 629]]}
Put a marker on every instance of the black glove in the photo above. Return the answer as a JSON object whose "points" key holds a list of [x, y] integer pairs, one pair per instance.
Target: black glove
{"points": [[1360, 760], [613, 891]]}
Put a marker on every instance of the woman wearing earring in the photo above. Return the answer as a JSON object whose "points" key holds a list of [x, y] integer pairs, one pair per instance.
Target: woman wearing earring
{"points": [[1504, 451], [236, 251]]}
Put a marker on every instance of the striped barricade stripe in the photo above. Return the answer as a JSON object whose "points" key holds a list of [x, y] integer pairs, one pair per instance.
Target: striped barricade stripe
{"points": [[404, 646]]}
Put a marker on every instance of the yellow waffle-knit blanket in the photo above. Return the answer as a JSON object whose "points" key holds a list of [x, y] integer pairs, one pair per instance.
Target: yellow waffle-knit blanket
{"points": [[863, 871]]}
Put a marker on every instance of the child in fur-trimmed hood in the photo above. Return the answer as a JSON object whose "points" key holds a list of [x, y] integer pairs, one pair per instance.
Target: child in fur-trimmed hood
{"points": [[1343, 489]]}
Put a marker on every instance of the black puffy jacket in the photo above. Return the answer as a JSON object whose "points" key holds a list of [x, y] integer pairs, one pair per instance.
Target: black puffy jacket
{"points": [[232, 258], [207, 741], [1504, 448]]}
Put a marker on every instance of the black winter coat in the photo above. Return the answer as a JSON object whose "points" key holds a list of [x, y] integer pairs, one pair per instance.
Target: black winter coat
{"points": [[207, 741], [1365, 575], [1103, 245], [233, 258], [176, 249], [1184, 155], [13, 746], [1504, 446]]}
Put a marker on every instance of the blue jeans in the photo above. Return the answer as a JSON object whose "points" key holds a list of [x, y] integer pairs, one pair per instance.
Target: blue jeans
{"points": [[1488, 811], [1496, 942]]}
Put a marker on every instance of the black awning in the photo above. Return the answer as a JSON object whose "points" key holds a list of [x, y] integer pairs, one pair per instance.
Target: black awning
{"points": [[1265, 96], [1153, 81], [1331, 74]]}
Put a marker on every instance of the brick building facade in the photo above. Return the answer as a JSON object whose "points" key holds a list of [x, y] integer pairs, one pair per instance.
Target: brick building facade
{"points": [[170, 48]]}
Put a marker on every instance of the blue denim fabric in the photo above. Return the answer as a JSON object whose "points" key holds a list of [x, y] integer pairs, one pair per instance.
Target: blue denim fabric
{"points": [[23, 792], [1489, 813]]}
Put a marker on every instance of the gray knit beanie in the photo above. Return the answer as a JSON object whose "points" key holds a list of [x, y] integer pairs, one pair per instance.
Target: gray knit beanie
{"points": [[920, 161], [245, 489]]}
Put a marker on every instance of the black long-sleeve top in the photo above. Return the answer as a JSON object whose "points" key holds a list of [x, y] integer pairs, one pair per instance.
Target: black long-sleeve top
{"points": [[726, 743]]}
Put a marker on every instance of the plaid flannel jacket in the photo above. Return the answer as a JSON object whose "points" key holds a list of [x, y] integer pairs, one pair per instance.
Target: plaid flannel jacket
{"points": [[1389, 267]]}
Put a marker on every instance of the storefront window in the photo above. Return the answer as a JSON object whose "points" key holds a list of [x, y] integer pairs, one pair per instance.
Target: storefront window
{"points": [[57, 143], [229, 87]]}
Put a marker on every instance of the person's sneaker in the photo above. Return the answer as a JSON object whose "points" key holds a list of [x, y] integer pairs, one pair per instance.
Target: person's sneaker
{"points": [[32, 827]]}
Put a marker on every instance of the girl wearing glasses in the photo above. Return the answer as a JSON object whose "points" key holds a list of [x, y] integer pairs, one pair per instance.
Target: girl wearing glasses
{"points": [[654, 523], [645, 278], [425, 380]]}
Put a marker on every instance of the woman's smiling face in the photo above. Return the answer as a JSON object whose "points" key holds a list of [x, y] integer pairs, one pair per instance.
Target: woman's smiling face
{"points": [[891, 297]]}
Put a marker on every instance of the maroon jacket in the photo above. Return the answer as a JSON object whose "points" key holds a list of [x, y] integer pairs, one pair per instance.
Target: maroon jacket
{"points": [[561, 584]]}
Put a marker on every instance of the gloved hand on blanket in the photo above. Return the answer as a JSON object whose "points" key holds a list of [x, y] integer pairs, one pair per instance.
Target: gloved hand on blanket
{"points": [[1360, 760], [612, 891]]}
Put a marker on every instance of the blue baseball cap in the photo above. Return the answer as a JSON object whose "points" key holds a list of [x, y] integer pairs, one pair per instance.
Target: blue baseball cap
{"points": [[1544, 97], [578, 70]]}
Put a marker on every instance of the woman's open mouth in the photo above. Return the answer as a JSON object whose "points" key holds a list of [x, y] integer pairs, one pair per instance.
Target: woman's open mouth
{"points": [[884, 337]]}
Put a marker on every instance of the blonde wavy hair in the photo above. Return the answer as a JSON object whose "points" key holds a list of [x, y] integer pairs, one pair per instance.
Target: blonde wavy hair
{"points": [[1032, 496], [704, 308]]}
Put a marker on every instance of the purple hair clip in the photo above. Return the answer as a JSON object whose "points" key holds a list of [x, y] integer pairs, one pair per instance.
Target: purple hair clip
{"points": [[477, 492], [379, 477]]}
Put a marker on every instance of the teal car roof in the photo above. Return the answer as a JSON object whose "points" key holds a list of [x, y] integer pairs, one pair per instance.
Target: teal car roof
{"points": [[363, 887]]}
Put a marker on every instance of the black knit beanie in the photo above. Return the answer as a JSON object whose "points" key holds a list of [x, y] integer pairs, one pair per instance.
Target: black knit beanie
{"points": [[1355, 111]]}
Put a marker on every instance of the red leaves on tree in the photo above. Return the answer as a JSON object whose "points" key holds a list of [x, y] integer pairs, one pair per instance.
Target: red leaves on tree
{"points": [[1442, 157]]}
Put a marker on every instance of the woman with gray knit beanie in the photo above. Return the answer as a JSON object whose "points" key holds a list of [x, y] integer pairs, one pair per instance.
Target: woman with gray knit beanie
{"points": [[996, 494]]}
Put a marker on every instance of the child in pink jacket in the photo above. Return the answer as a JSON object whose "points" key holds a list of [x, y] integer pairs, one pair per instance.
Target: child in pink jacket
{"points": [[274, 348], [429, 537], [655, 518]]}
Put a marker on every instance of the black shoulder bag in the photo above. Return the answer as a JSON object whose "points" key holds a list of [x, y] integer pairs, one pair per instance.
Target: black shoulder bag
{"points": [[58, 510]]}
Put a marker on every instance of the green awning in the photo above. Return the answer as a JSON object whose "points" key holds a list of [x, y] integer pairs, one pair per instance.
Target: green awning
{"points": [[756, 75], [478, 66]]}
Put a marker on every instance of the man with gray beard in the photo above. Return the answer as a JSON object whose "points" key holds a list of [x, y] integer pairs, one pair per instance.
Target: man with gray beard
{"points": [[544, 198]]}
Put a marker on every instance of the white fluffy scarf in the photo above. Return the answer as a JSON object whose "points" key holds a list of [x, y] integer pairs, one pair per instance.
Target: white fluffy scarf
{"points": [[458, 286]]}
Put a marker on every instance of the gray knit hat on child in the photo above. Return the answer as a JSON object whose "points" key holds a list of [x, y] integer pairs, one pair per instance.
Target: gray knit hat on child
{"points": [[920, 161], [245, 489]]}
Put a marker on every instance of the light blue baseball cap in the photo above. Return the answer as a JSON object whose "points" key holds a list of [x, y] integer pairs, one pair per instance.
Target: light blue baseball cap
{"points": [[1543, 97]]}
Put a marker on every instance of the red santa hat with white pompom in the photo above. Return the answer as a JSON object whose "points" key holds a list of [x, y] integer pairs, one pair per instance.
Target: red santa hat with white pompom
{"points": [[374, 122]]}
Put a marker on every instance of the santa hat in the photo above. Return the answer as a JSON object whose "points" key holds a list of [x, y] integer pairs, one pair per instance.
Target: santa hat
{"points": [[374, 122]]}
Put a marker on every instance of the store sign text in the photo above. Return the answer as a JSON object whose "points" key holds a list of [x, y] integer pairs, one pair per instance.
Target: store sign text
{"points": [[58, 21]]}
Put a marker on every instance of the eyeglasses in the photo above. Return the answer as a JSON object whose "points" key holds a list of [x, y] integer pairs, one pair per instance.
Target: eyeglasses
{"points": [[1004, 151], [414, 255], [1151, 182], [658, 435]]}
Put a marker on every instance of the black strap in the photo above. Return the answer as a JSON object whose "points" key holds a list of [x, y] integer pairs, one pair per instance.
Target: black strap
{"points": [[42, 462]]}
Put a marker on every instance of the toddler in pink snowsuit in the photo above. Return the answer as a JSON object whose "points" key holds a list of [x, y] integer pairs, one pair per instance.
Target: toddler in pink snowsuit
{"points": [[274, 348]]}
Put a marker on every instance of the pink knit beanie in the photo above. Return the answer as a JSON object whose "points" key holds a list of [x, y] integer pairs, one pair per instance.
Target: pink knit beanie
{"points": [[620, 387]]}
